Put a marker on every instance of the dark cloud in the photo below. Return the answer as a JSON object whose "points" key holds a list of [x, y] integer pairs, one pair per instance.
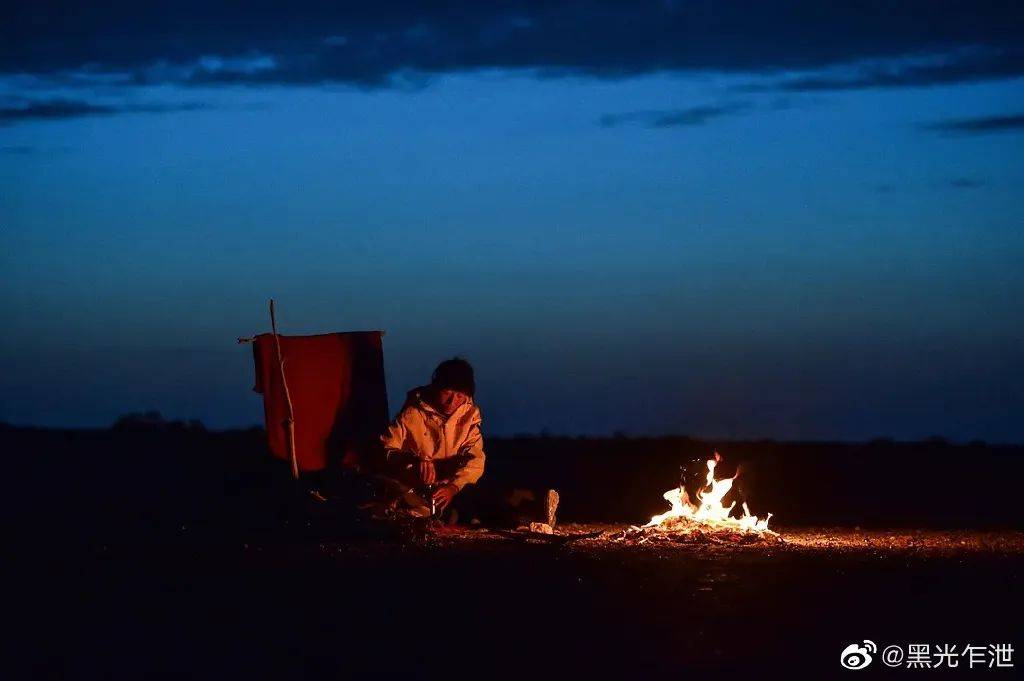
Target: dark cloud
{"points": [[979, 126], [51, 109], [967, 183], [15, 111], [369, 44], [698, 115]]}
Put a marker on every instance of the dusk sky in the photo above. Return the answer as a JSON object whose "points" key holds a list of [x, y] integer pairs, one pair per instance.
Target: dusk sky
{"points": [[796, 220]]}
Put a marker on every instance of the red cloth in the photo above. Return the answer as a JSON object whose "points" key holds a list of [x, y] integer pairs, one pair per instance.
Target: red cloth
{"points": [[339, 399]]}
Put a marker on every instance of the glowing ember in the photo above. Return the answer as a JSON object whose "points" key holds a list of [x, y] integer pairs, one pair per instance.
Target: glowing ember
{"points": [[708, 511]]}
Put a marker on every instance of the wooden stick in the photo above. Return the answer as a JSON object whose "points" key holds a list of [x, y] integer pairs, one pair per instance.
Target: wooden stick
{"points": [[289, 422]]}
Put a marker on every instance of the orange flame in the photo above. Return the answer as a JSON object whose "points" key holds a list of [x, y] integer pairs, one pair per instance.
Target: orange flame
{"points": [[709, 509]]}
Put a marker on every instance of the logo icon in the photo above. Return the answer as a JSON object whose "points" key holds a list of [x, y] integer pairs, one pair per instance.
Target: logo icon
{"points": [[858, 655]]}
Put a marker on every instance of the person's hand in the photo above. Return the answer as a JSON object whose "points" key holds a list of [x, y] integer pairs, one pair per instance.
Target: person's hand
{"points": [[444, 495], [427, 473]]}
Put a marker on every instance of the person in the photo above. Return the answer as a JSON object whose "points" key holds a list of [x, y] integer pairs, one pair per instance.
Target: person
{"points": [[435, 441], [434, 451]]}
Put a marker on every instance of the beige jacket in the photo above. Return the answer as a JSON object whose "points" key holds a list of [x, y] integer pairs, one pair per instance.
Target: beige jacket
{"points": [[421, 430]]}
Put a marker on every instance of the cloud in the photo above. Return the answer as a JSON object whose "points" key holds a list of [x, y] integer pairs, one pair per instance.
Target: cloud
{"points": [[979, 126], [368, 44], [21, 110], [917, 71], [50, 109], [967, 183], [698, 115]]}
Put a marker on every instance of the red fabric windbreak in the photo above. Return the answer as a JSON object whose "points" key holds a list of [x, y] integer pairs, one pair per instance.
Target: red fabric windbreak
{"points": [[339, 399]]}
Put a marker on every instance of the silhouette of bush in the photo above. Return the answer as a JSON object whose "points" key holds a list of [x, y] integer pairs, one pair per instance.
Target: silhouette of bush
{"points": [[148, 421]]}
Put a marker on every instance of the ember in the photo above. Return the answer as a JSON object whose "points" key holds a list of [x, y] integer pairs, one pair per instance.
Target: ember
{"points": [[707, 520]]}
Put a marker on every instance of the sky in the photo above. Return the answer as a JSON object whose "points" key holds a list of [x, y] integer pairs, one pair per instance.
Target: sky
{"points": [[719, 219]]}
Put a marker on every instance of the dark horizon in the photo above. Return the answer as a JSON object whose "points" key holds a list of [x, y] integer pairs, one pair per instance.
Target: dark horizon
{"points": [[128, 422]]}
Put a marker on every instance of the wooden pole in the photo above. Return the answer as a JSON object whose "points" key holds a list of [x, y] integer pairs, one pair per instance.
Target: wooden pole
{"points": [[289, 421]]}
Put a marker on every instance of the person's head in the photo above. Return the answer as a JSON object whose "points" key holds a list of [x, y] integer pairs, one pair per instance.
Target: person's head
{"points": [[452, 385]]}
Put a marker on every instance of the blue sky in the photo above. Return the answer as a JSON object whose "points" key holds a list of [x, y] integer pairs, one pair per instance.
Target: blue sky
{"points": [[714, 249]]}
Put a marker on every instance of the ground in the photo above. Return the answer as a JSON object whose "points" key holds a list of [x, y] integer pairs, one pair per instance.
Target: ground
{"points": [[194, 555], [479, 604]]}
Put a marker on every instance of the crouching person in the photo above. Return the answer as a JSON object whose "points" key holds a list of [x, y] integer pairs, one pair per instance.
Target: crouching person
{"points": [[435, 457], [434, 446]]}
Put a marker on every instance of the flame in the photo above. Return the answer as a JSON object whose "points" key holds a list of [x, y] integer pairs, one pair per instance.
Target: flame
{"points": [[709, 509]]}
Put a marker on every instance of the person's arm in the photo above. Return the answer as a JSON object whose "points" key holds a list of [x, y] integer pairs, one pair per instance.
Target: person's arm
{"points": [[400, 449], [473, 448], [471, 471]]}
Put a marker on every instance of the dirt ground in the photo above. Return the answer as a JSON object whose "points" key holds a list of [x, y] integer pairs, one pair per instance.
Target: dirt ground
{"points": [[486, 605], [163, 555], [807, 540]]}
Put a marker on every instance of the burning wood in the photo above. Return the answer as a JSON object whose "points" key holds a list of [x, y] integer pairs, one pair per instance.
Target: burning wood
{"points": [[694, 534], [706, 521]]}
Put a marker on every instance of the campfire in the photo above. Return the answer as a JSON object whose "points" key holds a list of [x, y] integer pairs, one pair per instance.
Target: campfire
{"points": [[706, 519]]}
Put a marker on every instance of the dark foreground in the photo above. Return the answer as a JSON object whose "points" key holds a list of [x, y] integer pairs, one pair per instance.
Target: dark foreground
{"points": [[482, 605], [178, 556]]}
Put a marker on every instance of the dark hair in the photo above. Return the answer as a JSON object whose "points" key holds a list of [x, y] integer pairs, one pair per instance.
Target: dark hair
{"points": [[454, 374]]}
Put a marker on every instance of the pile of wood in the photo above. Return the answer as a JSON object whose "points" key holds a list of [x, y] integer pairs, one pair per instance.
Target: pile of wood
{"points": [[692, 533]]}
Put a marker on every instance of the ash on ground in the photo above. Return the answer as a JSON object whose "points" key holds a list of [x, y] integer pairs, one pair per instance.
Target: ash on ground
{"points": [[686, 532]]}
